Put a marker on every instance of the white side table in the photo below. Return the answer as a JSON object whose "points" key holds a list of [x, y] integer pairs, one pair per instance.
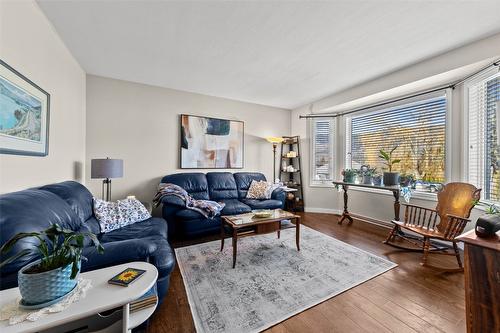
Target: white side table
{"points": [[101, 297]]}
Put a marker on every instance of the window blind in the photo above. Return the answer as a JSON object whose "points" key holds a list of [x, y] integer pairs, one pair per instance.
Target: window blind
{"points": [[322, 150], [484, 130], [418, 129]]}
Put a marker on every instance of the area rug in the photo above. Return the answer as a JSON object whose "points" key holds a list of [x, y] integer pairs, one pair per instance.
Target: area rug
{"points": [[272, 281]]}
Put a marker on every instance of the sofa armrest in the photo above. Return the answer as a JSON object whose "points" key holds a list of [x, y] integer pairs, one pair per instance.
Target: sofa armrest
{"points": [[279, 194], [116, 253], [173, 200]]}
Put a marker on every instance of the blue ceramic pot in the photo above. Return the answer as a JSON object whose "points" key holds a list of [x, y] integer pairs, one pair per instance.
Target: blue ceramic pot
{"points": [[44, 287]]}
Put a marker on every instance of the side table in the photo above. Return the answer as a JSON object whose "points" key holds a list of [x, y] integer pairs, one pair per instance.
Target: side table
{"points": [[100, 298]]}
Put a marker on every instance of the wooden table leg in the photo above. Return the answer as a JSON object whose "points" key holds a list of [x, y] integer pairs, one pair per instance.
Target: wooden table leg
{"points": [[235, 245], [345, 214], [279, 229], [222, 234], [297, 232], [396, 205]]}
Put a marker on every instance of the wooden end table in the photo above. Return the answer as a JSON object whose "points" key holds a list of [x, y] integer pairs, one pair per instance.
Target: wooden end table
{"points": [[244, 225]]}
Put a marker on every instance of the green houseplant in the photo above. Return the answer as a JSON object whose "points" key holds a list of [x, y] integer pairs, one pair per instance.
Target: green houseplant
{"points": [[54, 274], [349, 175], [489, 223], [390, 177]]}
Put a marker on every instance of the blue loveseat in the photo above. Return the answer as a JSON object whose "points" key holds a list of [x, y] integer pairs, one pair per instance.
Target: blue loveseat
{"points": [[70, 205], [217, 186]]}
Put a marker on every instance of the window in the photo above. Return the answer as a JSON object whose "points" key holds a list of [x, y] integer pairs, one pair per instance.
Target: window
{"points": [[483, 105], [322, 148], [417, 127]]}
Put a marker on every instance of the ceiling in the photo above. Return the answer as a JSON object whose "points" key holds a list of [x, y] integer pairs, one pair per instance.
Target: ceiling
{"points": [[283, 54]]}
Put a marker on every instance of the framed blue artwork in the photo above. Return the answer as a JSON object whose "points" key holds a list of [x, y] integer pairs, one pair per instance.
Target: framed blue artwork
{"points": [[24, 114]]}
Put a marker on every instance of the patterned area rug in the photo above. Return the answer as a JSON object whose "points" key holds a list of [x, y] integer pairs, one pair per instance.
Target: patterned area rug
{"points": [[272, 281]]}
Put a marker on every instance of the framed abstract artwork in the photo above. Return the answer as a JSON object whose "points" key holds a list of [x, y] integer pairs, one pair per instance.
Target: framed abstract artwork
{"points": [[211, 143], [24, 114]]}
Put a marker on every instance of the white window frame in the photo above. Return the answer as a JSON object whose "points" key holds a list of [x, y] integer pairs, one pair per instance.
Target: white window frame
{"points": [[476, 79], [448, 93], [333, 151]]}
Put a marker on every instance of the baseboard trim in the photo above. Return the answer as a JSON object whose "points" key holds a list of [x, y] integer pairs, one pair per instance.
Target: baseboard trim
{"points": [[323, 210]]}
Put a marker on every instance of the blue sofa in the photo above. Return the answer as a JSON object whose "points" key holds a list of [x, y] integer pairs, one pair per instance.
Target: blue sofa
{"points": [[70, 205], [217, 186]]}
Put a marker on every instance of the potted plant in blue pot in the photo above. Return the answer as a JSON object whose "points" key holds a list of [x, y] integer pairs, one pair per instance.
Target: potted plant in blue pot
{"points": [[55, 274], [390, 177]]}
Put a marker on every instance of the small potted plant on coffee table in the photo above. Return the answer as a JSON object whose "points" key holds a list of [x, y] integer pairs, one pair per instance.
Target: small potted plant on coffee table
{"points": [[349, 175], [54, 275], [390, 177]]}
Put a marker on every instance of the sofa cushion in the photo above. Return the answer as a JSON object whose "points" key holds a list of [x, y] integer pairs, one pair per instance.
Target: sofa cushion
{"points": [[154, 226], [195, 183], [76, 195], [197, 227], [263, 204], [234, 206], [221, 186], [28, 211], [244, 179]]}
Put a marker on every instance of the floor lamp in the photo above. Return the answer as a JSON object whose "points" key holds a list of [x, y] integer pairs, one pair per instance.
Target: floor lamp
{"points": [[275, 141], [106, 168]]}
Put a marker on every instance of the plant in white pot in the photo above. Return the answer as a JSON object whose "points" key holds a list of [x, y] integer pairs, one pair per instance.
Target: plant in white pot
{"points": [[54, 274], [390, 177]]}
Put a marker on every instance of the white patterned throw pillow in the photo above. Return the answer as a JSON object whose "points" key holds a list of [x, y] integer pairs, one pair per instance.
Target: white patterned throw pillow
{"points": [[260, 190], [114, 215]]}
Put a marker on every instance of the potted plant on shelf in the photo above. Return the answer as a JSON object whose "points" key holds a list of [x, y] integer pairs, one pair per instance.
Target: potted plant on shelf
{"points": [[54, 274], [349, 175], [390, 177]]}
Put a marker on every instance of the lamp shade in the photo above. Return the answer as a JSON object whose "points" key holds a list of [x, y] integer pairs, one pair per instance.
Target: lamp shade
{"points": [[106, 168], [274, 139]]}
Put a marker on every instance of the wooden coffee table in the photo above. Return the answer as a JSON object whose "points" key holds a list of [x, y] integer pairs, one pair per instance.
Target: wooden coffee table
{"points": [[244, 225]]}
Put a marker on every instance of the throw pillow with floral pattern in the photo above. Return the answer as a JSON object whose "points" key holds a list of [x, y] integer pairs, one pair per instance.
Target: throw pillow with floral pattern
{"points": [[115, 215]]}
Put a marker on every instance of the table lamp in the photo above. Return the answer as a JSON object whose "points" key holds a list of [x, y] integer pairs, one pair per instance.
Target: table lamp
{"points": [[274, 140], [106, 168]]}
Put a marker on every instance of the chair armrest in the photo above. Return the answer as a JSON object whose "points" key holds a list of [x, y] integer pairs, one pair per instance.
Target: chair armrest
{"points": [[421, 216], [455, 226]]}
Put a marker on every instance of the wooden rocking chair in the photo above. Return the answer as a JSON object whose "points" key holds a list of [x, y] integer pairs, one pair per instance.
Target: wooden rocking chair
{"points": [[455, 202]]}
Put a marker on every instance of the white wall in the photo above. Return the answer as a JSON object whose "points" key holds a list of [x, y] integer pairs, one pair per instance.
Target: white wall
{"points": [[380, 206], [29, 44], [140, 124]]}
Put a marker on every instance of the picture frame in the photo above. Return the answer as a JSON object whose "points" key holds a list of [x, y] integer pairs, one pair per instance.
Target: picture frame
{"points": [[211, 143], [24, 114]]}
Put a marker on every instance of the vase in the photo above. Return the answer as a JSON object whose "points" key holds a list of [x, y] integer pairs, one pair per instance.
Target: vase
{"points": [[391, 178], [367, 180], [37, 288], [349, 178]]}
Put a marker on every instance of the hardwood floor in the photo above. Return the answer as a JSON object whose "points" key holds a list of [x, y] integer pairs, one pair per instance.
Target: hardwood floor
{"points": [[409, 298]]}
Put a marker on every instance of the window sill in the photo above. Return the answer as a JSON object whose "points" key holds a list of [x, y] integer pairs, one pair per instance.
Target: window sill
{"points": [[427, 196], [327, 184]]}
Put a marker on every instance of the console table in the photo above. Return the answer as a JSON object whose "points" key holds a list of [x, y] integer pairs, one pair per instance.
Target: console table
{"points": [[396, 192], [101, 298]]}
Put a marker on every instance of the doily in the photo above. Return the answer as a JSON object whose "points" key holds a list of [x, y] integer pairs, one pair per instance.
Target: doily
{"points": [[15, 315]]}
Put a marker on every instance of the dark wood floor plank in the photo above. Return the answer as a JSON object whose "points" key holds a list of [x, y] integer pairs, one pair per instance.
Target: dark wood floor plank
{"points": [[409, 298]]}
